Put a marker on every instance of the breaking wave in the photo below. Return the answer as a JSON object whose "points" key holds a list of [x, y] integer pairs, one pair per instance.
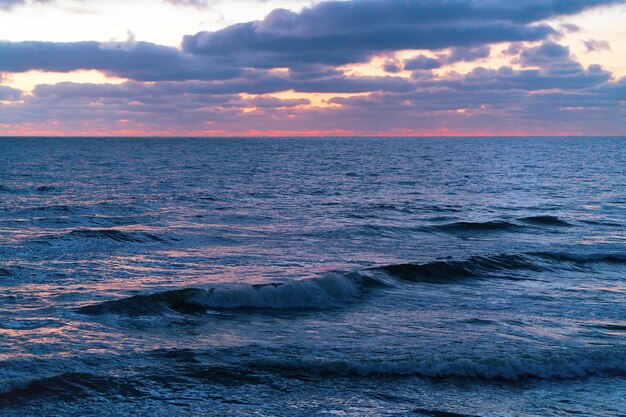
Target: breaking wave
{"points": [[543, 365], [337, 289], [329, 291]]}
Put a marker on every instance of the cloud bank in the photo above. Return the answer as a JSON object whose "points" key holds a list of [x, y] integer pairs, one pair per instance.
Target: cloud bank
{"points": [[246, 78]]}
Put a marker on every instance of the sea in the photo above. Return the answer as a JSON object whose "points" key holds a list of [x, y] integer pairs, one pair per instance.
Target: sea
{"points": [[313, 276]]}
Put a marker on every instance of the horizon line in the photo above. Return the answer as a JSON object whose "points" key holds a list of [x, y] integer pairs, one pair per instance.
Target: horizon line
{"points": [[301, 136]]}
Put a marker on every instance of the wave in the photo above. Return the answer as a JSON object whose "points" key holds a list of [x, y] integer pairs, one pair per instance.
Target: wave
{"points": [[543, 365], [67, 386], [457, 228], [546, 221], [582, 259], [450, 270], [607, 223], [540, 365], [613, 326], [46, 188], [476, 227], [329, 291], [437, 413], [116, 235], [337, 289], [5, 189], [5, 273], [53, 208]]}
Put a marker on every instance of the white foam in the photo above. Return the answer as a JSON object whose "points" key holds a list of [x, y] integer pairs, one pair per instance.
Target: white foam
{"points": [[547, 365], [325, 292]]}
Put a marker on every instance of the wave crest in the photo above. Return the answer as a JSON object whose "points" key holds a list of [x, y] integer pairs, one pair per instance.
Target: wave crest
{"points": [[450, 270], [545, 221], [546, 365], [116, 235], [477, 227], [328, 291], [337, 289]]}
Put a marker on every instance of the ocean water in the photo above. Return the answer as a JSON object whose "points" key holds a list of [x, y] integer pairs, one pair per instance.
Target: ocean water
{"points": [[313, 277]]}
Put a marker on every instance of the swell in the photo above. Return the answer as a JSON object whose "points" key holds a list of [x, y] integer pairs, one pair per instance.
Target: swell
{"points": [[546, 221], [446, 271], [490, 266], [66, 386], [113, 235], [5, 189], [582, 259], [46, 188], [457, 228], [501, 225], [477, 227], [5, 273], [547, 365], [542, 365]]}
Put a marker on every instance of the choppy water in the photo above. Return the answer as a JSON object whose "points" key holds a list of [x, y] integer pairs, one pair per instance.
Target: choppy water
{"points": [[298, 277]]}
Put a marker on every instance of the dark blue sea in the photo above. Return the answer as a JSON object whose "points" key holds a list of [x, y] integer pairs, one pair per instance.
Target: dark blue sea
{"points": [[313, 277]]}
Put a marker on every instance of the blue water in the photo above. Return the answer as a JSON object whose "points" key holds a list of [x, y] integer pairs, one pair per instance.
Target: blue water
{"points": [[313, 277]]}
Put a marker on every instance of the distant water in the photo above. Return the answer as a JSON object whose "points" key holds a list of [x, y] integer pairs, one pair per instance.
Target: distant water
{"points": [[313, 277]]}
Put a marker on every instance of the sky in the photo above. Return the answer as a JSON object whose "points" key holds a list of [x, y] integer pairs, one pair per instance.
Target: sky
{"points": [[312, 68]]}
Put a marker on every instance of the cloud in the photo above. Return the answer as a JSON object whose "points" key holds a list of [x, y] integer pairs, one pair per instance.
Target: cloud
{"points": [[466, 54], [458, 54], [548, 53], [10, 4], [310, 42], [593, 45], [9, 94], [392, 67], [561, 96], [570, 27], [223, 81], [421, 62], [135, 60], [7, 5], [338, 33], [193, 3], [343, 32]]}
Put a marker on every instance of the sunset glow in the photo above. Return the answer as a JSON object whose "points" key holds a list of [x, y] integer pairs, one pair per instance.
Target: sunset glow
{"points": [[358, 67]]}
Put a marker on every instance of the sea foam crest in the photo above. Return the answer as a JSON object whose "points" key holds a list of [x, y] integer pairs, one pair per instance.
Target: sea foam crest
{"points": [[314, 294], [543, 365], [335, 289], [324, 292]]}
